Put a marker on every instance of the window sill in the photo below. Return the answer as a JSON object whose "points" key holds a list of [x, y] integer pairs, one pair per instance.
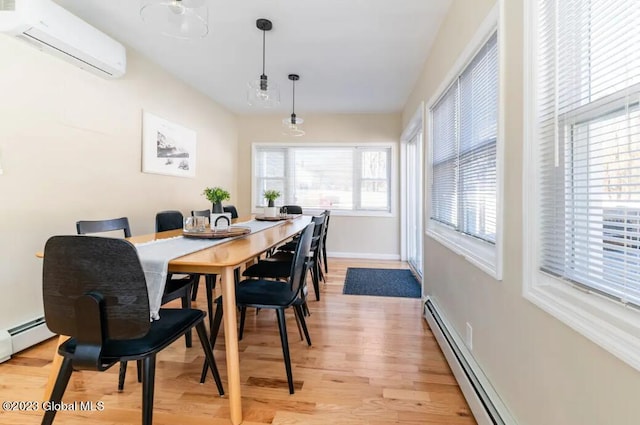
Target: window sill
{"points": [[610, 324], [479, 253]]}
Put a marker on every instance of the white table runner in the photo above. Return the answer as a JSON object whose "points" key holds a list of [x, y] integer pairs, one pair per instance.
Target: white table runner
{"points": [[155, 256]]}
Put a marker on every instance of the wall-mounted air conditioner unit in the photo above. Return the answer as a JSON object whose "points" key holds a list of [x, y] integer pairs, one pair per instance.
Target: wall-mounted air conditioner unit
{"points": [[49, 27]]}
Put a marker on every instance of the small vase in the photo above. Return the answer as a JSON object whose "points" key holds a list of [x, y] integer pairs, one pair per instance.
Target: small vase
{"points": [[217, 208], [270, 204]]}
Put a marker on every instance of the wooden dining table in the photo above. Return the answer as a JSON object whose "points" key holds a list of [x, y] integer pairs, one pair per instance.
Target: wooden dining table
{"points": [[221, 260]]}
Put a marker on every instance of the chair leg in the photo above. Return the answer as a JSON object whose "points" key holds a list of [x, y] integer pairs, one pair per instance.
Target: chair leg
{"points": [[148, 382], [210, 281], [194, 291], [324, 258], [186, 303], [210, 360], [214, 335], [139, 369], [58, 389], [243, 315], [321, 271], [282, 325], [121, 375], [303, 322], [295, 315], [315, 279]]}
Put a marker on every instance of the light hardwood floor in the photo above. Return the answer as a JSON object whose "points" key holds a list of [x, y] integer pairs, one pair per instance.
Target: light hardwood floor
{"points": [[373, 361]]}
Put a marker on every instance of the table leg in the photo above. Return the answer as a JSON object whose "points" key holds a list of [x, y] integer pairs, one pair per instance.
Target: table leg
{"points": [[55, 368], [231, 344]]}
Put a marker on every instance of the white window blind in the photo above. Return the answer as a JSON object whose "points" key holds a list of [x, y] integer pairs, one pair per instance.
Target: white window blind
{"points": [[464, 135], [588, 143], [349, 178]]}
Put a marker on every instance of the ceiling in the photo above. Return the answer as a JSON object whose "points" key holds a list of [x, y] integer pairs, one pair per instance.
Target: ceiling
{"points": [[353, 56]]}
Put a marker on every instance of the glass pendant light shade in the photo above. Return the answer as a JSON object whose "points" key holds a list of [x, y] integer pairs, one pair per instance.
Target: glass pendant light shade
{"points": [[183, 19], [262, 92], [291, 126]]}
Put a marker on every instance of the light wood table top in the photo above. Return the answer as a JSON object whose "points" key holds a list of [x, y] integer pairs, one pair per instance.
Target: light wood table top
{"points": [[229, 254], [221, 259]]}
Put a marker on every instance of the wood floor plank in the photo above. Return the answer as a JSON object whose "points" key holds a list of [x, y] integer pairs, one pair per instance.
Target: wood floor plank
{"points": [[373, 361]]}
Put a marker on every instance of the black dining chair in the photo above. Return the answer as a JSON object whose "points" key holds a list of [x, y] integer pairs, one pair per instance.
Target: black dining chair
{"points": [[288, 209], [278, 265], [209, 279], [327, 214], [231, 209], [84, 227], [291, 209], [276, 295], [173, 289], [172, 220], [201, 213], [94, 291], [169, 220]]}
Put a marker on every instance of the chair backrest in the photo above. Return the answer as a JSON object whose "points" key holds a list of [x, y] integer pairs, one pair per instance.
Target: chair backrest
{"points": [[299, 262], [169, 220], [291, 209], [98, 226], [327, 215], [80, 269], [201, 213], [318, 231], [318, 221], [231, 209]]}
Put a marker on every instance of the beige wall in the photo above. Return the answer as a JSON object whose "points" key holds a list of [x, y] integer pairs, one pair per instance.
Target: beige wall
{"points": [[546, 373], [377, 237], [70, 144]]}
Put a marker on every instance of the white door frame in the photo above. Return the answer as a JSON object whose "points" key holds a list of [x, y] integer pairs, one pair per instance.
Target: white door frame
{"points": [[413, 127]]}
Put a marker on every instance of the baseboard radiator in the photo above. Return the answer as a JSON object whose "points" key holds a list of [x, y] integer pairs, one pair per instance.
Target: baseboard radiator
{"points": [[484, 402], [23, 336]]}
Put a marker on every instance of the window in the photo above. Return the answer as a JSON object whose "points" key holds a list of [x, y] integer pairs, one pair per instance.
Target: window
{"points": [[464, 178], [347, 178], [585, 144]]}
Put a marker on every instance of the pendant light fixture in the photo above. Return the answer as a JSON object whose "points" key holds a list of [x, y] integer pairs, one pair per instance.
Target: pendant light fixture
{"points": [[183, 19], [291, 125], [261, 92]]}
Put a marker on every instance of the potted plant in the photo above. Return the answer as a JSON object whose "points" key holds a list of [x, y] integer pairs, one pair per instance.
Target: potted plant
{"points": [[270, 195], [216, 195]]}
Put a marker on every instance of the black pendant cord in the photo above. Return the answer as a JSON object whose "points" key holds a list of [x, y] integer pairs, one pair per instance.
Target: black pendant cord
{"points": [[293, 107], [263, 50]]}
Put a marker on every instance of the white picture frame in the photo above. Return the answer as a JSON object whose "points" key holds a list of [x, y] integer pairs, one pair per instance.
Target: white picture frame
{"points": [[167, 148]]}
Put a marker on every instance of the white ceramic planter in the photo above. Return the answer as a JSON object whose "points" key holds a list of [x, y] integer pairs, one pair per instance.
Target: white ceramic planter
{"points": [[270, 211]]}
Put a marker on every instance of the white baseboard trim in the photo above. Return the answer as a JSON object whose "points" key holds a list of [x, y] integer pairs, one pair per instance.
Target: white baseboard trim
{"points": [[23, 336], [483, 400], [364, 256]]}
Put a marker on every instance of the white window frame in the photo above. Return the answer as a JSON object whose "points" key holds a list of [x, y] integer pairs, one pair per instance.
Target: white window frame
{"points": [[393, 196], [484, 255], [611, 324]]}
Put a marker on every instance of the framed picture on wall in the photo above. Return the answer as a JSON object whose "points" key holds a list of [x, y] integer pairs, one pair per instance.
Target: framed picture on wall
{"points": [[167, 148]]}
